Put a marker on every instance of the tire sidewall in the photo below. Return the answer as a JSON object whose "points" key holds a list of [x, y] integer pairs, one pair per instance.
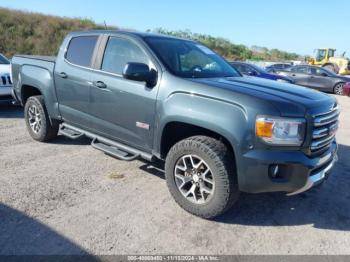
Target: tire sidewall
{"points": [[221, 191], [40, 136]]}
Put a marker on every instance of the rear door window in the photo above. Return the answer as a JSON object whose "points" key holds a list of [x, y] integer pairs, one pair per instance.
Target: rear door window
{"points": [[81, 49], [301, 70]]}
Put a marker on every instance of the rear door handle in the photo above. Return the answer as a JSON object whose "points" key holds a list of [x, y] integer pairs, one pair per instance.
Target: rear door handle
{"points": [[63, 75], [100, 84]]}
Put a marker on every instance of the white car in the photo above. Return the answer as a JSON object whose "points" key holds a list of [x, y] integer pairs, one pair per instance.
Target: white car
{"points": [[5, 79]]}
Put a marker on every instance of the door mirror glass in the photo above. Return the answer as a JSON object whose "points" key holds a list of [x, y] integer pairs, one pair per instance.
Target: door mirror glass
{"points": [[324, 74], [140, 72]]}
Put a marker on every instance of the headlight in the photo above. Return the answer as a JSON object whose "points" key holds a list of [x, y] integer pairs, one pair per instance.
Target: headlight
{"points": [[280, 131]]}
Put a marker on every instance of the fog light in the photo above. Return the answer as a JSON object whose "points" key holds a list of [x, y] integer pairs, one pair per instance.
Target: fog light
{"points": [[273, 171]]}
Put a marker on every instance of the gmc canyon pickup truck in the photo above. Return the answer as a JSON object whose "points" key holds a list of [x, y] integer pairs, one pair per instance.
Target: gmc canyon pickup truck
{"points": [[148, 96]]}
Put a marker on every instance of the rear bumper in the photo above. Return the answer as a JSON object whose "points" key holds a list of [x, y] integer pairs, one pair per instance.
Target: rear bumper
{"points": [[297, 171]]}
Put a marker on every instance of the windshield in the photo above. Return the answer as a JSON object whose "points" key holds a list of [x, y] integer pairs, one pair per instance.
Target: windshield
{"points": [[325, 70], [3, 60], [190, 59]]}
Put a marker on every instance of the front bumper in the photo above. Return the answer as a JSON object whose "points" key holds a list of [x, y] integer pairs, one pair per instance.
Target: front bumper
{"points": [[316, 178], [298, 171]]}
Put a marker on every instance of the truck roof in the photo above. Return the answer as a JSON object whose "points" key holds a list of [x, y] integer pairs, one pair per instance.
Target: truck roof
{"points": [[126, 32]]}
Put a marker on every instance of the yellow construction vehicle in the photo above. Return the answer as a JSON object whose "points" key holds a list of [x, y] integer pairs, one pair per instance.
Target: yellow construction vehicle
{"points": [[325, 57]]}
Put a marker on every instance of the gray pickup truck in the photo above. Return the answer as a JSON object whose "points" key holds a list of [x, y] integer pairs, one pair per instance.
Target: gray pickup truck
{"points": [[139, 95]]}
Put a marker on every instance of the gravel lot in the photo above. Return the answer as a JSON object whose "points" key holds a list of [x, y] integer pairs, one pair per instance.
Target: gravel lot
{"points": [[65, 197]]}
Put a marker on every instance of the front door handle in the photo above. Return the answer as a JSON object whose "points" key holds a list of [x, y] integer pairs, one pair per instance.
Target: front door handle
{"points": [[63, 75], [100, 84]]}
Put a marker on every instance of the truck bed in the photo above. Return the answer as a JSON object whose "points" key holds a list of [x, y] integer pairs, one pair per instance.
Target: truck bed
{"points": [[33, 63], [36, 71]]}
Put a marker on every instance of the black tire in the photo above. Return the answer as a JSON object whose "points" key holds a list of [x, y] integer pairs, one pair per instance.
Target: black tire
{"points": [[47, 130], [221, 162], [338, 89]]}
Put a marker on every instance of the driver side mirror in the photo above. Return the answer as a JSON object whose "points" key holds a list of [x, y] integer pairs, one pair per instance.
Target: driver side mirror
{"points": [[140, 72], [324, 74]]}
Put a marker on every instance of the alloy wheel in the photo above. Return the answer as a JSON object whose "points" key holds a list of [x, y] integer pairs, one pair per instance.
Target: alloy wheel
{"points": [[339, 89], [194, 179], [34, 119]]}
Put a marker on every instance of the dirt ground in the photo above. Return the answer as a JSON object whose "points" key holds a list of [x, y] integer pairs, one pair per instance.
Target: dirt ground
{"points": [[64, 197]]}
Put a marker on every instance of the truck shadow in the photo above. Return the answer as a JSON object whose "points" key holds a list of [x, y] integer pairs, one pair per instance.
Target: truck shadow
{"points": [[8, 110], [23, 235], [327, 207]]}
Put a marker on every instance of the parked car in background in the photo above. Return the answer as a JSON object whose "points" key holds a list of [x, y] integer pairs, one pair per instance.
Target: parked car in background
{"points": [[254, 70], [346, 89], [317, 78], [5, 79], [278, 67]]}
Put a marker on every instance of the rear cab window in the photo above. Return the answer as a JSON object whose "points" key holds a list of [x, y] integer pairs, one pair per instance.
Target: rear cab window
{"points": [[81, 49]]}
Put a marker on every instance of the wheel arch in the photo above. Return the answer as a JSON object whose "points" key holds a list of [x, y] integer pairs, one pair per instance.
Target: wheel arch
{"points": [[41, 84], [176, 131], [28, 91]]}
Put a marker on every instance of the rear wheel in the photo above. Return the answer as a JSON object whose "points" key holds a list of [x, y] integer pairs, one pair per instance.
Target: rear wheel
{"points": [[200, 174], [37, 120], [339, 89]]}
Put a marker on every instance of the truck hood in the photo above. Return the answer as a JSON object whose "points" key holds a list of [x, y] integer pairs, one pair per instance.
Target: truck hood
{"points": [[290, 100]]}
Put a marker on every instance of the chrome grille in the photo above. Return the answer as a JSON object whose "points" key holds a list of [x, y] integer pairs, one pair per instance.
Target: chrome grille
{"points": [[325, 126]]}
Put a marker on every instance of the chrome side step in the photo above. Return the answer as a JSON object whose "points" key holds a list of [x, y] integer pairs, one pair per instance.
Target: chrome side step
{"points": [[70, 133], [110, 147], [113, 151]]}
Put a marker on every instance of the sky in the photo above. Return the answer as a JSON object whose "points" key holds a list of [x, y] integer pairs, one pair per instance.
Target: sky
{"points": [[295, 25]]}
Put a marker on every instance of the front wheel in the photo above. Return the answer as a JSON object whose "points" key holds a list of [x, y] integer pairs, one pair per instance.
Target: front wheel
{"points": [[200, 174], [37, 120], [339, 89]]}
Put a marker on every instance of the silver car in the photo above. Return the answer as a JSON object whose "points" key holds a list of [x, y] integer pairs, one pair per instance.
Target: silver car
{"points": [[5, 79], [317, 78]]}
